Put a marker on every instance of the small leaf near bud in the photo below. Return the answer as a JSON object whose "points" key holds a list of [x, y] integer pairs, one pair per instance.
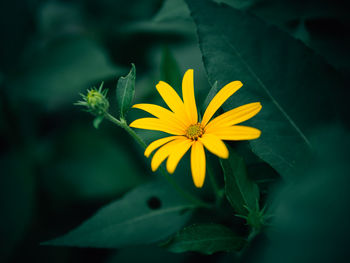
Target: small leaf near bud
{"points": [[125, 91]]}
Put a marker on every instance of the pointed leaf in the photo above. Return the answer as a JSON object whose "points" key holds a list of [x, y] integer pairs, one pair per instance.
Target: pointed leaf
{"points": [[294, 86], [206, 239], [126, 91], [147, 214], [240, 191]]}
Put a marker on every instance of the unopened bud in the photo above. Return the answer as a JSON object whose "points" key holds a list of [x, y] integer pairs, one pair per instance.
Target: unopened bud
{"points": [[95, 101], [256, 218]]}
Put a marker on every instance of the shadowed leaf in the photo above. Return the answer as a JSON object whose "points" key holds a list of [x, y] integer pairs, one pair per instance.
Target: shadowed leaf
{"points": [[291, 82], [206, 239], [60, 70], [240, 190], [131, 220]]}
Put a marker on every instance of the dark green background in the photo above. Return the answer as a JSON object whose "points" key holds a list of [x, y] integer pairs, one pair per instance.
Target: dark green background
{"points": [[57, 170]]}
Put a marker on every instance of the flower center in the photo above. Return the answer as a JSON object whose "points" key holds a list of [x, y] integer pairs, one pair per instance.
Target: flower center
{"points": [[194, 131]]}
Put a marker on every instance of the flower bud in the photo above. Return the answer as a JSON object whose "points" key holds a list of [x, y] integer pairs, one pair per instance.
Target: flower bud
{"points": [[95, 101], [256, 217]]}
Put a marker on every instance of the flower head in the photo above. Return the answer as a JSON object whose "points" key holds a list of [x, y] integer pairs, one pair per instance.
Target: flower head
{"points": [[181, 121]]}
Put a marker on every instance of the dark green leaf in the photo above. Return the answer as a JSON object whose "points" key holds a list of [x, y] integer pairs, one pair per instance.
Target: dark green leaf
{"points": [[97, 121], [239, 189], [172, 10], [282, 13], [321, 25], [126, 91], [173, 19], [55, 74], [210, 96], [146, 215], [206, 239], [291, 82], [90, 165], [312, 215], [170, 71]]}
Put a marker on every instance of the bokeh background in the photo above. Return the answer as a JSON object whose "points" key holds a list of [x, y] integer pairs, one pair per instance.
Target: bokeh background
{"points": [[57, 169]]}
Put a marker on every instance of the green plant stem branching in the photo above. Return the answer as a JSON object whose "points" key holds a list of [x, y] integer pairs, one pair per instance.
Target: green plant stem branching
{"points": [[122, 123]]}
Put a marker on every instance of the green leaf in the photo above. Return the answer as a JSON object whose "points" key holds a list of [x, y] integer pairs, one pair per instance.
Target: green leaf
{"points": [[54, 75], [125, 91], [305, 21], [172, 10], [90, 165], [97, 121], [312, 215], [282, 13], [291, 82], [214, 89], [173, 19], [206, 239], [240, 191], [147, 214], [170, 71]]}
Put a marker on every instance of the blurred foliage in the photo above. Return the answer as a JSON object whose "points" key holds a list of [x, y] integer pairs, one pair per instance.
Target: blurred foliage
{"points": [[58, 171], [312, 214]]}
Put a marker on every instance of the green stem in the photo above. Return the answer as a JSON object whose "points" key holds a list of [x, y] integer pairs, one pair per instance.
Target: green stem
{"points": [[213, 182], [219, 193], [122, 123]]}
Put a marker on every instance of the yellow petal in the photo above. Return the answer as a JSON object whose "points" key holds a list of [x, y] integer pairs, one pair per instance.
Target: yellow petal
{"points": [[214, 145], [161, 113], [219, 99], [198, 163], [156, 125], [234, 116], [173, 100], [156, 144], [178, 152], [164, 152], [237, 133], [188, 96]]}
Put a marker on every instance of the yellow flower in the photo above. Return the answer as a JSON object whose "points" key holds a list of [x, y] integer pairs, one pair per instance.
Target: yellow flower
{"points": [[182, 122]]}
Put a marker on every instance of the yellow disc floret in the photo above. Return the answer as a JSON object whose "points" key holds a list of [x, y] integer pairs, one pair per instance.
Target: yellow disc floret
{"points": [[194, 131]]}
